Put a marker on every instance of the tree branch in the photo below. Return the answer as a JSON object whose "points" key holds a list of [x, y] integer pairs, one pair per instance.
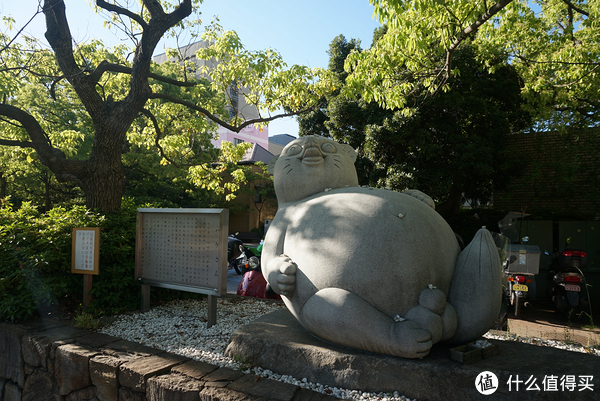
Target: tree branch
{"points": [[7, 142], [219, 121], [105, 66], [483, 18], [122, 11], [574, 7], [50, 157]]}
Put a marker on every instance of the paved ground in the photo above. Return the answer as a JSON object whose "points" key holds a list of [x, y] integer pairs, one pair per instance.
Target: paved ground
{"points": [[542, 321]]}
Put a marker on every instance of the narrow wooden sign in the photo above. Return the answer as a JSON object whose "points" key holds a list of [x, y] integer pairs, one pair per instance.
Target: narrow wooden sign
{"points": [[86, 251]]}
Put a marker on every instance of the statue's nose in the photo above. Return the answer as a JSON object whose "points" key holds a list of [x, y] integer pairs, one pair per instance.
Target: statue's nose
{"points": [[312, 151]]}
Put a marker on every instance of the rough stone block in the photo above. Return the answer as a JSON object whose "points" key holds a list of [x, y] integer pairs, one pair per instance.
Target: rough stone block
{"points": [[224, 394], [86, 394], [97, 340], [135, 374], [71, 367], [10, 351], [264, 388], [173, 388], [304, 394], [104, 373], [12, 392], [40, 386], [129, 347], [223, 374], [126, 394], [195, 369], [36, 350]]}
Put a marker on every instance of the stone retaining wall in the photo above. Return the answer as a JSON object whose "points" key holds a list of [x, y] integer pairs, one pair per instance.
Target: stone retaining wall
{"points": [[57, 362]]}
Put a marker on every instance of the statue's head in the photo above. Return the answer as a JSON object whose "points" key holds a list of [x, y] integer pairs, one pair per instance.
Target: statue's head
{"points": [[311, 164]]}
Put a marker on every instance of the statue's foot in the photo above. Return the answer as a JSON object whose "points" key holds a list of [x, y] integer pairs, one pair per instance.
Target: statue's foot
{"points": [[412, 340], [434, 314], [343, 318]]}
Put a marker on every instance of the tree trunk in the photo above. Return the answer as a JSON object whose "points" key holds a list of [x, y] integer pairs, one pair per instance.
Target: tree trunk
{"points": [[451, 207]]}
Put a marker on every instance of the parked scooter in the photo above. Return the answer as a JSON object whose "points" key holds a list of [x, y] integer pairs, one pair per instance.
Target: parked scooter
{"points": [[566, 283], [520, 265], [241, 258], [253, 283]]}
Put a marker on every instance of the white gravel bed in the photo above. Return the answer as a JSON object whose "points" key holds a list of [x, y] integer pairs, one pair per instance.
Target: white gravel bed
{"points": [[179, 327]]}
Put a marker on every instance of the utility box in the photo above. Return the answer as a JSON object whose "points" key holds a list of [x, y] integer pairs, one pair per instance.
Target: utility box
{"points": [[527, 259]]}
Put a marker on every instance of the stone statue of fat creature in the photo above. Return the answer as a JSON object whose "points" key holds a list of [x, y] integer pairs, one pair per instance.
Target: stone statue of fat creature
{"points": [[372, 269]]}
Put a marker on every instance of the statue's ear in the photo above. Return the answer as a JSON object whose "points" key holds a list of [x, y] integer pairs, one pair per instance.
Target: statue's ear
{"points": [[271, 166], [350, 151]]}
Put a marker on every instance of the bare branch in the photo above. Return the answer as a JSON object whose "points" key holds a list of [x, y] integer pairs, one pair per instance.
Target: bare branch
{"points": [[21, 30], [122, 11], [574, 7]]}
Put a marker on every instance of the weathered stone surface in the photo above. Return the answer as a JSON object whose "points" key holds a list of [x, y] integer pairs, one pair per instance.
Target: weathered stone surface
{"points": [[104, 373], [129, 347], [276, 341], [224, 394], [36, 350], [12, 392], [223, 374], [135, 374], [40, 386], [195, 369], [71, 367], [265, 388], [97, 340], [308, 395], [11, 363], [86, 394], [173, 388], [126, 394]]}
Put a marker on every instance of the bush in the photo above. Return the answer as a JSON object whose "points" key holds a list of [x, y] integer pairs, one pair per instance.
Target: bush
{"points": [[35, 260]]}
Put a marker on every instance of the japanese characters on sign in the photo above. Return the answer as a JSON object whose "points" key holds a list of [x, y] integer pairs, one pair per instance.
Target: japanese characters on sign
{"points": [[86, 251], [184, 249]]}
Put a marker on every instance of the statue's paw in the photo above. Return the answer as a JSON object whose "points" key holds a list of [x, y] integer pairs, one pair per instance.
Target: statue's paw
{"points": [[413, 341], [286, 277], [434, 314], [427, 320], [420, 196], [433, 299]]}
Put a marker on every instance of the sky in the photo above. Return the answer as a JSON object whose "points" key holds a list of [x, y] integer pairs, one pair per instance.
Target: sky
{"points": [[300, 31]]}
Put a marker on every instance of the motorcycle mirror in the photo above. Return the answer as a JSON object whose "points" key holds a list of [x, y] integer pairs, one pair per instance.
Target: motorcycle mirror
{"points": [[512, 259], [525, 239], [569, 240]]}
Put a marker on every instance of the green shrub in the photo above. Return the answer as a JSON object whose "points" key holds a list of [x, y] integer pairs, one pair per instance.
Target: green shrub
{"points": [[35, 260]]}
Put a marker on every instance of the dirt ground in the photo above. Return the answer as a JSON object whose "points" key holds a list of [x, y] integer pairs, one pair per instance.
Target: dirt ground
{"points": [[542, 321]]}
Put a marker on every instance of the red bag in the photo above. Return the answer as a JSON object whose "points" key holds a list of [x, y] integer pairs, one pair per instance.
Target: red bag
{"points": [[253, 284]]}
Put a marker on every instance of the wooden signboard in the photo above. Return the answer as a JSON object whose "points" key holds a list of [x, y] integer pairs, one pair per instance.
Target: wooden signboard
{"points": [[182, 249], [86, 251]]}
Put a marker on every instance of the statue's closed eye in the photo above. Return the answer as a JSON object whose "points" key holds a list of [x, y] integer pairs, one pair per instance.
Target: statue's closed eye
{"points": [[328, 148], [294, 150]]}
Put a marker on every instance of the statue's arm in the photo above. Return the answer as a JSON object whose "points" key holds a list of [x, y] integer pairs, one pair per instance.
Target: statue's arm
{"points": [[279, 270]]}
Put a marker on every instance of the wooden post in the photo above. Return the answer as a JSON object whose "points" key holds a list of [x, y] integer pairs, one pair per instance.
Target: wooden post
{"points": [[87, 288], [145, 298], [212, 311]]}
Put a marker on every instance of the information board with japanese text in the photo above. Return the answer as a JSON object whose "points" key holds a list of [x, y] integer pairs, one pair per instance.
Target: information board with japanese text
{"points": [[86, 251], [184, 249]]}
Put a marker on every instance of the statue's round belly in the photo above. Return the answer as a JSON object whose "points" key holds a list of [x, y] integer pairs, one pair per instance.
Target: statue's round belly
{"points": [[384, 246]]}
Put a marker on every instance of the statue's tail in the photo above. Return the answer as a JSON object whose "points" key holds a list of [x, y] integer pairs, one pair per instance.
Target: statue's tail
{"points": [[476, 290]]}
